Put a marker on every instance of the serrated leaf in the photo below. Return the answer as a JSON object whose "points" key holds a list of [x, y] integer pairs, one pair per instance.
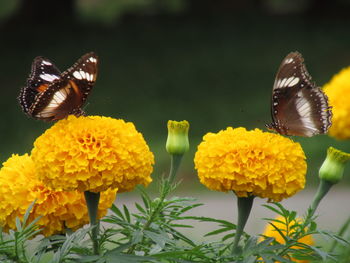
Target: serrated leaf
{"points": [[226, 237], [117, 211], [292, 215], [127, 214], [185, 209], [146, 201], [125, 258], [18, 224], [218, 231], [335, 237], [313, 226], [27, 213], [273, 209], [180, 236], [137, 236], [160, 239], [209, 219], [181, 225], [140, 208], [282, 234]]}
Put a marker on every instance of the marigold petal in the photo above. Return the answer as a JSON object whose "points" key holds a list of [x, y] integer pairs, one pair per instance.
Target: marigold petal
{"points": [[93, 153], [251, 163], [58, 209], [338, 90]]}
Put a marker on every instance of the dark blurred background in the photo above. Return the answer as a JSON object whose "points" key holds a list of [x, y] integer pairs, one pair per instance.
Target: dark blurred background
{"points": [[210, 62]]}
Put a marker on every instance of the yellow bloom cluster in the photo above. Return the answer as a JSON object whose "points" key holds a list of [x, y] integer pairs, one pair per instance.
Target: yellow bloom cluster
{"points": [[93, 154], [251, 163], [270, 231], [338, 92], [19, 187]]}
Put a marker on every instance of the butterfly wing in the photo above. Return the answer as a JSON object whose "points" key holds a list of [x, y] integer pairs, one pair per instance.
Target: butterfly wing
{"points": [[43, 73], [83, 73], [299, 107], [65, 95]]}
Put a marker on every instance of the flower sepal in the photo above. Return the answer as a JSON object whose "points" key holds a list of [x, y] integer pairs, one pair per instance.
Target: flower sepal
{"points": [[332, 169], [177, 141]]}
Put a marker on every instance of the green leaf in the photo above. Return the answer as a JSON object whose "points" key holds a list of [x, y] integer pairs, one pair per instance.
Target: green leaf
{"points": [[159, 239], [125, 258], [226, 237], [209, 219], [218, 231], [335, 237], [313, 226], [140, 208], [117, 211], [292, 216], [146, 201], [183, 237], [181, 225], [127, 214], [137, 236]]}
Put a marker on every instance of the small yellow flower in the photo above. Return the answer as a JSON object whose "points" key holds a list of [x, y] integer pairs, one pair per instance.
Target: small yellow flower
{"points": [[93, 154], [251, 163], [59, 210], [338, 92], [270, 231]]}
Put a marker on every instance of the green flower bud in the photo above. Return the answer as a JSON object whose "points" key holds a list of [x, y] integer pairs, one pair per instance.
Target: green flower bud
{"points": [[332, 168], [177, 142]]}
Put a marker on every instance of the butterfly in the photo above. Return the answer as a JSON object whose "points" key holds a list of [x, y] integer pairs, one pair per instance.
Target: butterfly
{"points": [[51, 95], [298, 107]]}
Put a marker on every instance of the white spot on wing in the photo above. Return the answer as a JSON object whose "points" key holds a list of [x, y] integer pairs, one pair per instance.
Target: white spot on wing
{"points": [[46, 63], [56, 101], [303, 107], [289, 60], [77, 75], [82, 73], [48, 77], [90, 77], [287, 82], [293, 82], [93, 60], [282, 83], [59, 97]]}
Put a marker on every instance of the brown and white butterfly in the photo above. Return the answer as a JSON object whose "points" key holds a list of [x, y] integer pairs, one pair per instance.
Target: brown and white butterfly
{"points": [[298, 107], [51, 95]]}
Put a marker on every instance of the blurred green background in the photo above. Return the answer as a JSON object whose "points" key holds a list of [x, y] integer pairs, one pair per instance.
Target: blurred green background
{"points": [[210, 62]]}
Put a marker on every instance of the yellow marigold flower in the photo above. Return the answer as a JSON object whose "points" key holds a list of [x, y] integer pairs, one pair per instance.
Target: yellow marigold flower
{"points": [[251, 163], [93, 154], [59, 210], [338, 90], [270, 231]]}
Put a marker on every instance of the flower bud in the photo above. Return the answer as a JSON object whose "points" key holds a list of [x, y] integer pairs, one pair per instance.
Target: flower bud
{"points": [[177, 142], [332, 168]]}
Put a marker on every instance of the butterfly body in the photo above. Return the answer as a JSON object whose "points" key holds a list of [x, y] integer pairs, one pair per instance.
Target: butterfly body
{"points": [[51, 95], [298, 107]]}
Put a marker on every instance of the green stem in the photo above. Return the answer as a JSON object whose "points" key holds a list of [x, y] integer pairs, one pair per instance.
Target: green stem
{"points": [[92, 200], [341, 232], [322, 190], [175, 163], [174, 166], [165, 189], [244, 207]]}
